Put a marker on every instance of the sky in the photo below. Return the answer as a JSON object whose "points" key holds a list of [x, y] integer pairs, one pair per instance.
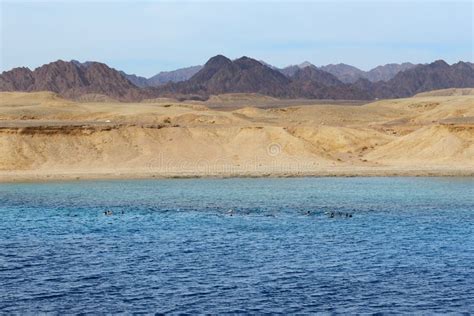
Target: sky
{"points": [[146, 37]]}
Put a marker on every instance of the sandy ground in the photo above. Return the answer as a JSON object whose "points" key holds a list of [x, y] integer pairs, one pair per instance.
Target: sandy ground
{"points": [[44, 137]]}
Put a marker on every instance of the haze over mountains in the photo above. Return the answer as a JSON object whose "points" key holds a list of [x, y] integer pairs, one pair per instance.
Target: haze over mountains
{"points": [[244, 75]]}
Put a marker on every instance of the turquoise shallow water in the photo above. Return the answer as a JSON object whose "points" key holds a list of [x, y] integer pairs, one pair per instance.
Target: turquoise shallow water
{"points": [[172, 247]]}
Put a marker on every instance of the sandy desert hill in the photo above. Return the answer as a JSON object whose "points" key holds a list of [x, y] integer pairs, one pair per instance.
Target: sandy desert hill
{"points": [[44, 136]]}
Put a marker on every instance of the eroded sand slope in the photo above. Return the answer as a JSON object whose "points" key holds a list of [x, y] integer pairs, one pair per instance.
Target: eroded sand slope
{"points": [[43, 136]]}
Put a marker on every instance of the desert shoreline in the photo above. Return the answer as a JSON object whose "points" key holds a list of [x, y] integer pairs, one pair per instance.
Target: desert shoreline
{"points": [[46, 138], [32, 177]]}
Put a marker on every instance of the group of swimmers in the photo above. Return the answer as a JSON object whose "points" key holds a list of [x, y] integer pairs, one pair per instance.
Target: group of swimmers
{"points": [[230, 212], [332, 214], [109, 213], [339, 214]]}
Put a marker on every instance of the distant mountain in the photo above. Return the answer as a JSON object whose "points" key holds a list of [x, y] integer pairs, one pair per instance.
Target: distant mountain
{"points": [[173, 76], [289, 71], [345, 73], [70, 79], [350, 74], [386, 72], [163, 77]]}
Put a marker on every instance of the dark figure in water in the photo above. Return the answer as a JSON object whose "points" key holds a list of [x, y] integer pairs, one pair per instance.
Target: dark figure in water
{"points": [[108, 213], [332, 215], [308, 213]]}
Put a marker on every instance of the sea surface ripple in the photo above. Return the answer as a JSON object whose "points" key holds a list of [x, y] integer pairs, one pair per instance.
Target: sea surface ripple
{"points": [[238, 246]]}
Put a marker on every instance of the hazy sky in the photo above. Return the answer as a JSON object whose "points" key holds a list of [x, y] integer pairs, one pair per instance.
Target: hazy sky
{"points": [[150, 36]]}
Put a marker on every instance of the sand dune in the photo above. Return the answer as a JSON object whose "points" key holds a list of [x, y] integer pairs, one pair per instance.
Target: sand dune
{"points": [[43, 136]]}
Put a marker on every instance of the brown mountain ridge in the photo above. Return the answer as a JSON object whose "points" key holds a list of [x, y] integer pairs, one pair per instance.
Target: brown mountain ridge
{"points": [[221, 75], [71, 80]]}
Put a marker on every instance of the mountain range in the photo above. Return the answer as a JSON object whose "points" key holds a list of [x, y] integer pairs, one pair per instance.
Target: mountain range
{"points": [[222, 75], [345, 73], [243, 75]]}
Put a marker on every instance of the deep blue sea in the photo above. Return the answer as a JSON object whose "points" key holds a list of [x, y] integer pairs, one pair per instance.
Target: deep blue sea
{"points": [[174, 246]]}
